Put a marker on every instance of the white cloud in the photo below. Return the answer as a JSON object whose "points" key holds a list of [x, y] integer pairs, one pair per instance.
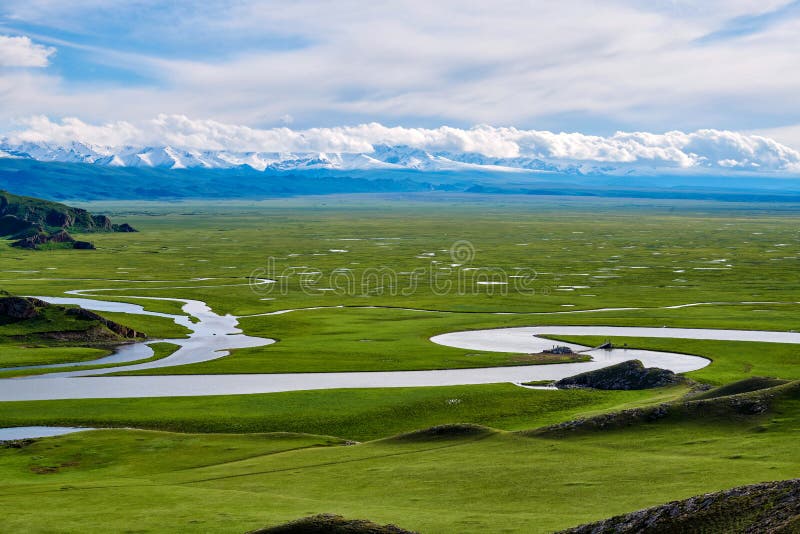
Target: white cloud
{"points": [[788, 135], [22, 52], [617, 64], [699, 149]]}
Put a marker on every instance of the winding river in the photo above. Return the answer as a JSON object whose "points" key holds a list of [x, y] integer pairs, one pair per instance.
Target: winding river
{"points": [[213, 336]]}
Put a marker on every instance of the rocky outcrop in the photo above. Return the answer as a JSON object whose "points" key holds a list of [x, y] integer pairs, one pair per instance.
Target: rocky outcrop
{"points": [[35, 241], [20, 307], [623, 376], [35, 222], [117, 328], [767, 507], [60, 218], [124, 227], [102, 223], [98, 329], [12, 225], [331, 524]]}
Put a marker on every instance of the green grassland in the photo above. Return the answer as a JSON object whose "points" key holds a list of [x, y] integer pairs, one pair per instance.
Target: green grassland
{"points": [[585, 255], [227, 470], [356, 414], [422, 481], [627, 257], [161, 349], [19, 356]]}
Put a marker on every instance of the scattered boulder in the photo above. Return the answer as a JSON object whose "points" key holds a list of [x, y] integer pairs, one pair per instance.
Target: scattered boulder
{"points": [[625, 376], [331, 524], [83, 245], [767, 507]]}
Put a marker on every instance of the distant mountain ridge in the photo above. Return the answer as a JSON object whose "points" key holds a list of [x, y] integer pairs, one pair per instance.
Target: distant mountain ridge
{"points": [[83, 172], [82, 181], [383, 157]]}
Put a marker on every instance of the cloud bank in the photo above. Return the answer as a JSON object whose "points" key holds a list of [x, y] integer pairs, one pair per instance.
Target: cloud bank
{"points": [[22, 52], [570, 65], [706, 148]]}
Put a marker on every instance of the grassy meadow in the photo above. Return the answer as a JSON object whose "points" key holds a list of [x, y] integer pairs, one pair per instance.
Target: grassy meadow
{"points": [[386, 275]]}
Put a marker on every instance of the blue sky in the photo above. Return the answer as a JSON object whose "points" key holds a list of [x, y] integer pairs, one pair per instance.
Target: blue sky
{"points": [[584, 66]]}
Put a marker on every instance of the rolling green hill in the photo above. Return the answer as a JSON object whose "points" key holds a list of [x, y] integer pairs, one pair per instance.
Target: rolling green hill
{"points": [[34, 222]]}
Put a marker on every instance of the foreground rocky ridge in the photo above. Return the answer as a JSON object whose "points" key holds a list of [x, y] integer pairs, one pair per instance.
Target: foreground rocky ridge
{"points": [[766, 507], [704, 404]]}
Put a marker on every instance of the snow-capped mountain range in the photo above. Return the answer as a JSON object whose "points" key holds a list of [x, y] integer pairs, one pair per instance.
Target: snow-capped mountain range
{"points": [[382, 158], [178, 142]]}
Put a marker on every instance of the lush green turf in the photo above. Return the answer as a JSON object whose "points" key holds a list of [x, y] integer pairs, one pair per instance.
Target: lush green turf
{"points": [[475, 482], [352, 414], [18, 356], [161, 349], [586, 254], [627, 257]]}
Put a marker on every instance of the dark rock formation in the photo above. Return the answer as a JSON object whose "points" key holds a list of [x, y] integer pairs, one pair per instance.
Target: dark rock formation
{"points": [[117, 328], [331, 524], [34, 222], [626, 375], [59, 218], [38, 239], [23, 308], [103, 223], [20, 307], [13, 225], [768, 507], [124, 227]]}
